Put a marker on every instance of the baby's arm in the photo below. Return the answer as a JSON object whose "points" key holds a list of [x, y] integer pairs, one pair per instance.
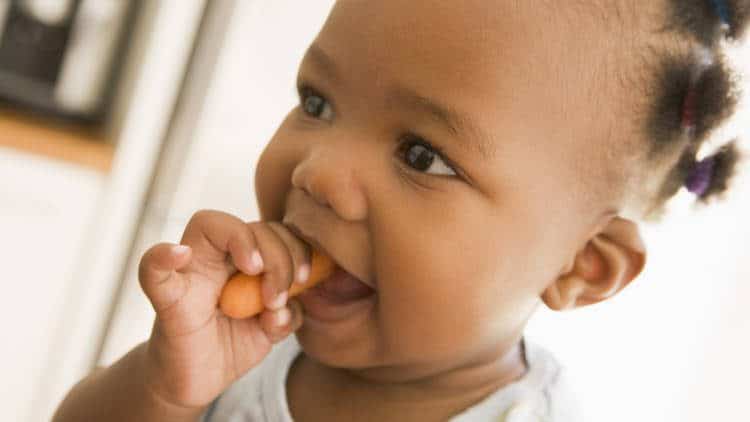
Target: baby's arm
{"points": [[195, 352], [119, 393]]}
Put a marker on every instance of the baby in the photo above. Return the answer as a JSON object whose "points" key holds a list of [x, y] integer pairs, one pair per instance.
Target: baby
{"points": [[462, 162]]}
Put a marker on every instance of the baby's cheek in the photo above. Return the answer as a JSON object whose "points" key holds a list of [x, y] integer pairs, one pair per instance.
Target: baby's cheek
{"points": [[439, 315], [273, 175]]}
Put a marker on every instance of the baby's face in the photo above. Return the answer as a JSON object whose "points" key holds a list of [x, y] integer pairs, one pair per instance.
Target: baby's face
{"points": [[441, 153]]}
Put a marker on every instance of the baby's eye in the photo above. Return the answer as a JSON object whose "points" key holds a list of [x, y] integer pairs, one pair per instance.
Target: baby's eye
{"points": [[314, 104], [421, 156]]}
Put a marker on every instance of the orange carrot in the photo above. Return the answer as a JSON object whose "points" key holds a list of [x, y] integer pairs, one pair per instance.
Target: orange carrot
{"points": [[241, 295]]}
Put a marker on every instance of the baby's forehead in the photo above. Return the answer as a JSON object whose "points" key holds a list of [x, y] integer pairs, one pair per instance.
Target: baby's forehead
{"points": [[485, 57], [499, 47]]}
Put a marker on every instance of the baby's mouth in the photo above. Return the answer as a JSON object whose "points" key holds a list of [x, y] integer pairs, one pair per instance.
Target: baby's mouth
{"points": [[339, 299], [342, 287]]}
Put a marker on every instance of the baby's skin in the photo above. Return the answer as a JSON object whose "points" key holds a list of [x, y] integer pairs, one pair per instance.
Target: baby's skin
{"points": [[456, 158]]}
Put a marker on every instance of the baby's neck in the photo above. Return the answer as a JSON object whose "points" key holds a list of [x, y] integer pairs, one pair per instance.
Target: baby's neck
{"points": [[316, 392]]}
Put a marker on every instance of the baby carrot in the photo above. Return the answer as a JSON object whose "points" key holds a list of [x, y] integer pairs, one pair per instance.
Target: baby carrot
{"points": [[241, 295]]}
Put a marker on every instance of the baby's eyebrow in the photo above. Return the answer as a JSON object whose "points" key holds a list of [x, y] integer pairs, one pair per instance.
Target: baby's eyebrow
{"points": [[323, 61], [460, 125]]}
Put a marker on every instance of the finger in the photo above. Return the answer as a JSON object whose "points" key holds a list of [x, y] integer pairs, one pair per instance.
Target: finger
{"points": [[158, 277], [277, 265], [243, 248], [298, 249], [274, 322], [278, 324], [213, 235]]}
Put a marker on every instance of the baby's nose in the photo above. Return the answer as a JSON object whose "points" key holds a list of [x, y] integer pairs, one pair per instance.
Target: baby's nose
{"points": [[331, 179]]}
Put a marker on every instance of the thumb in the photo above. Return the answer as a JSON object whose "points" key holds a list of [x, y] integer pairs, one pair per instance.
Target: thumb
{"points": [[158, 277]]}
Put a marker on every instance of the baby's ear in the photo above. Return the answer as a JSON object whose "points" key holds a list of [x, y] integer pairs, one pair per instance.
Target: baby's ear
{"points": [[608, 262]]}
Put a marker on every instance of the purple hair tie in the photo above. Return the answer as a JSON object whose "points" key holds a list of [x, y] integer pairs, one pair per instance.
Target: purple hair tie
{"points": [[700, 177]]}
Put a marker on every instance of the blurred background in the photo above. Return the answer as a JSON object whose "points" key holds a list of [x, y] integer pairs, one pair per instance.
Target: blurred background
{"points": [[119, 119]]}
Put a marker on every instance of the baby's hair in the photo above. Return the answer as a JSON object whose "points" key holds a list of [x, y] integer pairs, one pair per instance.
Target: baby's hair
{"points": [[694, 93]]}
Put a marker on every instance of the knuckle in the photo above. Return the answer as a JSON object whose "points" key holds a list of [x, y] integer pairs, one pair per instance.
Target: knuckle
{"points": [[290, 239], [254, 229], [201, 216], [248, 238], [234, 243], [204, 213], [147, 262], [254, 225], [278, 227], [266, 321], [252, 232], [279, 273], [286, 274]]}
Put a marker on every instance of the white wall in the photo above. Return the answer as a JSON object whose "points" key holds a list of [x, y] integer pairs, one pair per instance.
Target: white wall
{"points": [[670, 348], [45, 209]]}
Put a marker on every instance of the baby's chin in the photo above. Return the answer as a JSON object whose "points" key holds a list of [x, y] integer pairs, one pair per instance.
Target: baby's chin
{"points": [[339, 331], [336, 352]]}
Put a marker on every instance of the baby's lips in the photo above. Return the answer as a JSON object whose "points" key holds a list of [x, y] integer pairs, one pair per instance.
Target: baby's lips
{"points": [[317, 246], [311, 242]]}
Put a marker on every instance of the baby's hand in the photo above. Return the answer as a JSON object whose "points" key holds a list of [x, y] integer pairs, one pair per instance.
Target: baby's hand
{"points": [[195, 352]]}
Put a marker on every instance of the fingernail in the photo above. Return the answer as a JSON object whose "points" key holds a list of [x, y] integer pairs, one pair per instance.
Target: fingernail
{"points": [[279, 300], [180, 249], [256, 262], [283, 317], [303, 273]]}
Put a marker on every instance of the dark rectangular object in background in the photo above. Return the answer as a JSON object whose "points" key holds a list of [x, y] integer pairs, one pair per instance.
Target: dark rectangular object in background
{"points": [[31, 48], [64, 66]]}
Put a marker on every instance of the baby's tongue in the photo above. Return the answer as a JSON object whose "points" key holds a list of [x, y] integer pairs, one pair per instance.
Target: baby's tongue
{"points": [[342, 286]]}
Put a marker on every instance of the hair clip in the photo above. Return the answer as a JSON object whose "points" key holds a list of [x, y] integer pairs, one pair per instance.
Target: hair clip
{"points": [[701, 176], [722, 10]]}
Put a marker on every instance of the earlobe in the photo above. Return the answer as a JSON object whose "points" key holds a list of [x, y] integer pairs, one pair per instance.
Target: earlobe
{"points": [[608, 262]]}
